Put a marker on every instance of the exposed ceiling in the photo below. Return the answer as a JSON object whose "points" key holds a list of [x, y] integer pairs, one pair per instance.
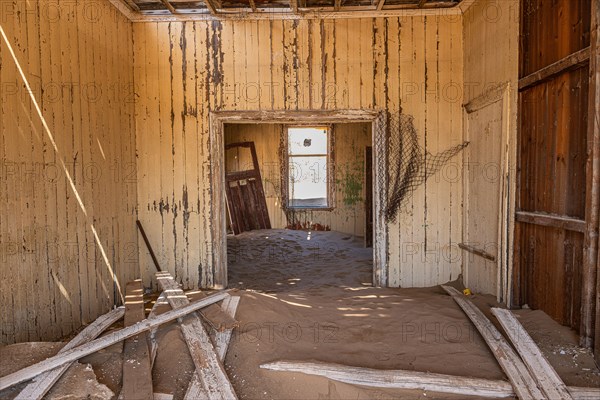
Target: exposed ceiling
{"points": [[250, 8]]}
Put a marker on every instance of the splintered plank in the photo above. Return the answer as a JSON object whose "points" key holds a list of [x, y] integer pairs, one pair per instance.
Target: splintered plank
{"points": [[511, 364], [221, 340], [137, 372], [43, 382], [208, 366], [152, 342], [76, 353], [543, 373]]}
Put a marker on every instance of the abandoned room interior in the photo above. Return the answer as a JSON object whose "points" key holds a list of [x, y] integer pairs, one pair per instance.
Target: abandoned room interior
{"points": [[299, 199]]}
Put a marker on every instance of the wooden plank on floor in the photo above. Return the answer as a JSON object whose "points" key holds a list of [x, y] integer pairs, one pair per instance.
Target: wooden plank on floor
{"points": [[221, 340], [137, 371], [76, 353], [43, 382], [208, 366], [511, 364], [413, 380], [215, 315], [152, 342], [546, 377]]}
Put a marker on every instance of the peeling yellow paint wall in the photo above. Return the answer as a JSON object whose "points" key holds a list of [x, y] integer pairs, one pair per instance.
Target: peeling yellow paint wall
{"points": [[67, 193], [185, 70]]}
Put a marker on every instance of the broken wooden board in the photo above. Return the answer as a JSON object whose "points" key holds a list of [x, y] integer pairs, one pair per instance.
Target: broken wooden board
{"points": [[543, 373], [137, 372], [43, 382], [413, 380], [210, 369], [221, 340], [152, 343], [76, 353], [511, 364]]}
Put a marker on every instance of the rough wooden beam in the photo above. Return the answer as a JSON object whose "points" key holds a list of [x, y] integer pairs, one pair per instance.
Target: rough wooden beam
{"points": [[401, 379], [132, 5], [252, 5], [221, 340], [137, 373], [169, 6], [555, 221], [209, 368], [337, 5], [570, 62], [212, 7], [380, 5], [511, 364], [76, 353], [543, 373], [43, 382], [422, 3], [152, 343]]}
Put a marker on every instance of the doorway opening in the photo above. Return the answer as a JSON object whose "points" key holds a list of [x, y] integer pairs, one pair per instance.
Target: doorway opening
{"points": [[316, 193]]}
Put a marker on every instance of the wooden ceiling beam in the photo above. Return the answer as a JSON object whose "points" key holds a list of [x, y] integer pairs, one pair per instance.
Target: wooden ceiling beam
{"points": [[212, 7], [380, 5], [338, 5], [131, 4], [169, 6], [294, 6], [252, 5], [422, 3]]}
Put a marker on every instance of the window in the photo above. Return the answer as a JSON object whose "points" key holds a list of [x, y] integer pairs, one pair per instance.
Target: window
{"points": [[308, 167]]}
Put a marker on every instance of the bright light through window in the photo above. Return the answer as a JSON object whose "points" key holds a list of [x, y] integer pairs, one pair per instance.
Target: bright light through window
{"points": [[308, 159]]}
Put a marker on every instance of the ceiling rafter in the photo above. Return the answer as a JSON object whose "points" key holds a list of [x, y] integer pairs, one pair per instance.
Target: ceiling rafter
{"points": [[252, 5], [294, 6], [169, 6]]}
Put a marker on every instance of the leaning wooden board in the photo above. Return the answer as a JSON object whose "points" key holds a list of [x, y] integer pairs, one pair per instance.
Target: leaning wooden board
{"points": [[76, 353], [208, 366], [511, 364], [543, 373]]}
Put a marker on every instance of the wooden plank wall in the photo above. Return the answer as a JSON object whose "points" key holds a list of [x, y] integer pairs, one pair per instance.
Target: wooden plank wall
{"points": [[349, 148], [184, 70], [67, 213], [552, 158], [491, 45]]}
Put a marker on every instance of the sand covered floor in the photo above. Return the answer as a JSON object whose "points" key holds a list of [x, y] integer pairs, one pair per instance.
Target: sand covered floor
{"points": [[308, 297]]}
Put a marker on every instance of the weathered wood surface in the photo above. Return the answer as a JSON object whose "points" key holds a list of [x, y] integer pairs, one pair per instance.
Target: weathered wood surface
{"points": [[98, 344], [209, 367], [571, 61], [137, 367], [67, 191], [152, 342], [555, 221], [546, 377], [511, 364], [43, 382], [221, 341], [401, 379]]}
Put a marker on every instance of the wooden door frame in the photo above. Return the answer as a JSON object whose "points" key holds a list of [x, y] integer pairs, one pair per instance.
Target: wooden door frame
{"points": [[218, 119]]}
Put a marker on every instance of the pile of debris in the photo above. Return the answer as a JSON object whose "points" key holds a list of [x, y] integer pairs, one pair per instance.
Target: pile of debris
{"points": [[207, 347]]}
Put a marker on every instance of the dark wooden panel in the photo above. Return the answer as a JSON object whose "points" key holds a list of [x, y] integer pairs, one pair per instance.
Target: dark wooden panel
{"points": [[551, 30], [553, 145], [549, 261]]}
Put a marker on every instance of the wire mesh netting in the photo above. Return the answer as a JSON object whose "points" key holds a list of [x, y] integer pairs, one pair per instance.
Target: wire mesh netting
{"points": [[409, 165]]}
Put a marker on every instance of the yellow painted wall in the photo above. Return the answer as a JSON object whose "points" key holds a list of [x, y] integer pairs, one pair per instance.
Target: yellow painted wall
{"points": [[185, 70], [68, 192], [350, 140]]}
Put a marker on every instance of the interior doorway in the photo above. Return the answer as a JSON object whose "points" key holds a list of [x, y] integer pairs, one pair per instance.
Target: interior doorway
{"points": [[341, 211]]}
